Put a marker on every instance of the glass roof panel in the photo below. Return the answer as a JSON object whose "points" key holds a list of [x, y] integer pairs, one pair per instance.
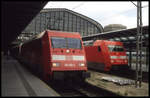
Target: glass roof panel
{"points": [[123, 38], [117, 39], [146, 35], [131, 37], [112, 39]]}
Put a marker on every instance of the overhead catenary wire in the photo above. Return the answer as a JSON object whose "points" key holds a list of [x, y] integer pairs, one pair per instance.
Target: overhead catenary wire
{"points": [[127, 11], [78, 5], [133, 3], [137, 5], [145, 6], [116, 14]]}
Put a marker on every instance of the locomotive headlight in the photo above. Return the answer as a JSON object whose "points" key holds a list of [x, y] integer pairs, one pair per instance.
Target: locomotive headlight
{"points": [[56, 64], [112, 61], [81, 64], [67, 51], [125, 61]]}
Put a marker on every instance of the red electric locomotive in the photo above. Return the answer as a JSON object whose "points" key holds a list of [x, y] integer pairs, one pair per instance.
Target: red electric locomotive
{"points": [[56, 55], [106, 55]]}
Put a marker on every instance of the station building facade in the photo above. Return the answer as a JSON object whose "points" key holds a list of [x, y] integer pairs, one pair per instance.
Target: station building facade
{"points": [[63, 20]]}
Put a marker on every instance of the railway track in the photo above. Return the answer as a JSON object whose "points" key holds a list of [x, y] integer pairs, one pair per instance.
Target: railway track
{"points": [[77, 89], [130, 74], [65, 89]]}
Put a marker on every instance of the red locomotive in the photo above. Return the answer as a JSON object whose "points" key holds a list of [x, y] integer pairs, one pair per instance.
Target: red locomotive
{"points": [[56, 55], [106, 55]]}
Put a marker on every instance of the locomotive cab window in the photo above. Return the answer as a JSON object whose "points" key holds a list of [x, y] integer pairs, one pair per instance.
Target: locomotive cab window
{"points": [[74, 43], [58, 42], [115, 48], [99, 49], [61, 42]]}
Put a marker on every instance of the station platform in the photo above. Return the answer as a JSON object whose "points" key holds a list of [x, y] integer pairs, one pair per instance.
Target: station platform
{"points": [[17, 81]]}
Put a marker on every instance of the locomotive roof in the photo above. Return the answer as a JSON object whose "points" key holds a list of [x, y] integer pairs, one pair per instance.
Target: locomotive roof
{"points": [[106, 41], [40, 35], [63, 31]]}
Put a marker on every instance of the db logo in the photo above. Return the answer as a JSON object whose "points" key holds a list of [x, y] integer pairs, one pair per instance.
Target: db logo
{"points": [[69, 58]]}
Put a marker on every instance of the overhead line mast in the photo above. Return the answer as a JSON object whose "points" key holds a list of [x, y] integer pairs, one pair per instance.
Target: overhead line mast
{"points": [[138, 80]]}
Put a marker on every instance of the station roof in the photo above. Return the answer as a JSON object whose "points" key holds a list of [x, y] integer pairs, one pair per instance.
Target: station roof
{"points": [[16, 16], [77, 14], [127, 36]]}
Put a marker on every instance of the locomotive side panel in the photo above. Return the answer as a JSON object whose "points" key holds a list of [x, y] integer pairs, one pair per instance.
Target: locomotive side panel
{"points": [[46, 58], [94, 57], [30, 51]]}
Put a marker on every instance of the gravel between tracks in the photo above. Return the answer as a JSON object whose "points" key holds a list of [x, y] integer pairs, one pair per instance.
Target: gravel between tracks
{"points": [[127, 90]]}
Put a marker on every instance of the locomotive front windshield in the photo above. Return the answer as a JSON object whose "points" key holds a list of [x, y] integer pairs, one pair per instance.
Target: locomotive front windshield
{"points": [[61, 42], [115, 48]]}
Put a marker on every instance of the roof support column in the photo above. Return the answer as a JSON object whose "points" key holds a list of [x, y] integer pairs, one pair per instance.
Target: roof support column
{"points": [[130, 57]]}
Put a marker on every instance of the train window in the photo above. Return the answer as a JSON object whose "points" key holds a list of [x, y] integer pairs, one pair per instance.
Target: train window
{"points": [[74, 43], [60, 42], [99, 49], [119, 48], [116, 48]]}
